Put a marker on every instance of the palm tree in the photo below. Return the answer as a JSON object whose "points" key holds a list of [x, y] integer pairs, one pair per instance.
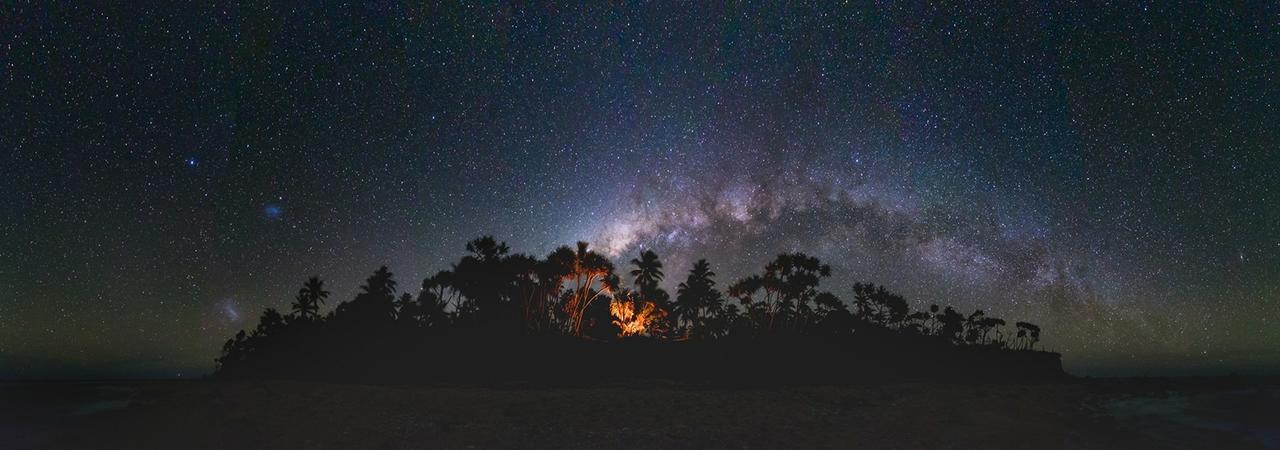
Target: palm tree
{"points": [[648, 274], [648, 271], [310, 297], [380, 283], [303, 308], [696, 297], [314, 290], [375, 303]]}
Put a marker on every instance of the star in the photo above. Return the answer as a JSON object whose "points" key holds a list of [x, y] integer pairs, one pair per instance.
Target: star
{"points": [[1052, 167]]}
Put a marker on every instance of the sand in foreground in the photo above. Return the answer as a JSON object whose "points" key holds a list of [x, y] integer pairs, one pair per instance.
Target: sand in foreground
{"points": [[313, 415]]}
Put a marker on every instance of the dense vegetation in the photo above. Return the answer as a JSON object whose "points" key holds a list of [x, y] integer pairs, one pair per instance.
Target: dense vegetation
{"points": [[497, 315]]}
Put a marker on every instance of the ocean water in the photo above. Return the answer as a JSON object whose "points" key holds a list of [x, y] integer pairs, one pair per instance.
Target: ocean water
{"points": [[62, 400], [1192, 418], [31, 414]]}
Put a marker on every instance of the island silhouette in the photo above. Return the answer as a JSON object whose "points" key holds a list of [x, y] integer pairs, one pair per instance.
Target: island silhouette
{"points": [[571, 318]]}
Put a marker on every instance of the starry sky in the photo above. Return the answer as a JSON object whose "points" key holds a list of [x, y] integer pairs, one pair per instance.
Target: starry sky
{"points": [[1106, 171]]}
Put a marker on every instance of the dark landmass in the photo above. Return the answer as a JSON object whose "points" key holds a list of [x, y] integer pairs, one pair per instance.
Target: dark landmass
{"points": [[1228, 412], [569, 319], [507, 350]]}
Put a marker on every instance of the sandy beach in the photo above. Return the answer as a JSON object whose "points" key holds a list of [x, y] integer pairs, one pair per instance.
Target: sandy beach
{"points": [[280, 414]]}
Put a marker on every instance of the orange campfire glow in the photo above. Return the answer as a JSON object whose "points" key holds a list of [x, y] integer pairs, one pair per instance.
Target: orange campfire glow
{"points": [[635, 318]]}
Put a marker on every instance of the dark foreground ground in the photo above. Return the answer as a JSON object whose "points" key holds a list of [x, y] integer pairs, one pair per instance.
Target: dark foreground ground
{"points": [[1216, 413]]}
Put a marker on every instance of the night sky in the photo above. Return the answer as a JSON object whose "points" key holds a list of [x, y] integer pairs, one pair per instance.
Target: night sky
{"points": [[1109, 172]]}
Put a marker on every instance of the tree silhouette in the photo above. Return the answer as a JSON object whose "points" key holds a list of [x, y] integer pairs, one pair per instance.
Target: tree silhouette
{"points": [[698, 303], [303, 308], [491, 284], [878, 306], [990, 324], [465, 321], [307, 303], [524, 291], [478, 276], [863, 308], [435, 297], [786, 289], [950, 325], [648, 273], [376, 302], [270, 322], [588, 276], [380, 284], [974, 327], [1028, 334]]}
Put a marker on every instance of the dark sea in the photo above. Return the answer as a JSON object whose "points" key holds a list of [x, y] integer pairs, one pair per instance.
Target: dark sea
{"points": [[30, 413], [1188, 419]]}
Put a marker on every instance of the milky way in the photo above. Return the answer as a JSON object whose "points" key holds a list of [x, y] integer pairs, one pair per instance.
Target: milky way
{"points": [[1107, 172]]}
